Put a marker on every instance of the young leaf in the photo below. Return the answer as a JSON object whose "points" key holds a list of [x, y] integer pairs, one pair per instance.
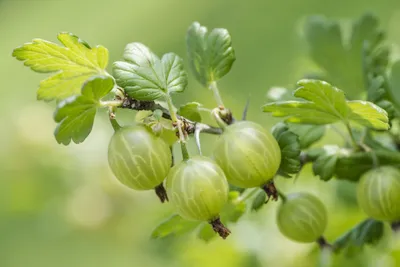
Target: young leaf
{"points": [[367, 232], [308, 134], [146, 77], [259, 200], [75, 115], [206, 232], [340, 59], [72, 64], [211, 54], [326, 104], [174, 225], [325, 165], [234, 209], [290, 149], [190, 111]]}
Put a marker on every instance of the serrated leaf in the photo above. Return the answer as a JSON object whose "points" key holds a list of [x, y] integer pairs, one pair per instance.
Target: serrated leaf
{"points": [[308, 134], [75, 115], [326, 104], [173, 226], [146, 77], [72, 64], [190, 111], [325, 166], [259, 200], [339, 58], [367, 232], [290, 149], [211, 55], [206, 232]]}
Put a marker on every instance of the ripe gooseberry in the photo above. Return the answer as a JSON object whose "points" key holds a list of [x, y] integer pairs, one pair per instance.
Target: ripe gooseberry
{"points": [[302, 217], [248, 154], [198, 189], [378, 193], [139, 159]]}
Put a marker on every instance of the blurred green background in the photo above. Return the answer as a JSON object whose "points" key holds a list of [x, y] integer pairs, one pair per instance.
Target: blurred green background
{"points": [[61, 206]]}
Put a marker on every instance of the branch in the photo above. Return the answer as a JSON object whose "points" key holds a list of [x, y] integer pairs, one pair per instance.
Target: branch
{"points": [[190, 126]]}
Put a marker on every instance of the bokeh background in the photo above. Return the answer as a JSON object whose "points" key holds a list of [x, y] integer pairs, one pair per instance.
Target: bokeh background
{"points": [[61, 206]]}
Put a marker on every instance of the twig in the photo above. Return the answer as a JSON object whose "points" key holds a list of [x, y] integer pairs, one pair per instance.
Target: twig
{"points": [[190, 126]]}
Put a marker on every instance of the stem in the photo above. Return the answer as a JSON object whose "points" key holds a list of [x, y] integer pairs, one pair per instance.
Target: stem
{"points": [[213, 87], [353, 139], [185, 153], [111, 103], [174, 118], [171, 109], [220, 122], [246, 195], [326, 252], [115, 124]]}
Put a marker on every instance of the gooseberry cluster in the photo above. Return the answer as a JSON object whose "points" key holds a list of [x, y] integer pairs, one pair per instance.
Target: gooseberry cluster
{"points": [[246, 157]]}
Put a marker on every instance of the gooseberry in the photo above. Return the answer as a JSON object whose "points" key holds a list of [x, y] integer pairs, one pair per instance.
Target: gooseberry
{"points": [[302, 217], [378, 193], [139, 159], [198, 189], [248, 154]]}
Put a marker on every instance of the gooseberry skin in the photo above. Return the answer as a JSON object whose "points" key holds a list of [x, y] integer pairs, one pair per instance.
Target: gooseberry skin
{"points": [[302, 217], [197, 188], [139, 159], [248, 154], [378, 193]]}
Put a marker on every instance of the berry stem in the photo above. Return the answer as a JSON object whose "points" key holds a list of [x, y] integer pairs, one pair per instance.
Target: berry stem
{"points": [[175, 120], [220, 228], [161, 193], [214, 88], [115, 124], [221, 123]]}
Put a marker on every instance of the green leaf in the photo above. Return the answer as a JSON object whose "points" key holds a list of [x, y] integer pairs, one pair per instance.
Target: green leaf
{"points": [[259, 200], [146, 77], [234, 209], [290, 149], [326, 104], [174, 226], [72, 64], [308, 134], [367, 232], [338, 57], [206, 232], [325, 165], [75, 115], [211, 55], [190, 111]]}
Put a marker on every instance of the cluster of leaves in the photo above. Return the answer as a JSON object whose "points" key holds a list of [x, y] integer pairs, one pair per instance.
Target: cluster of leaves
{"points": [[80, 85]]}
